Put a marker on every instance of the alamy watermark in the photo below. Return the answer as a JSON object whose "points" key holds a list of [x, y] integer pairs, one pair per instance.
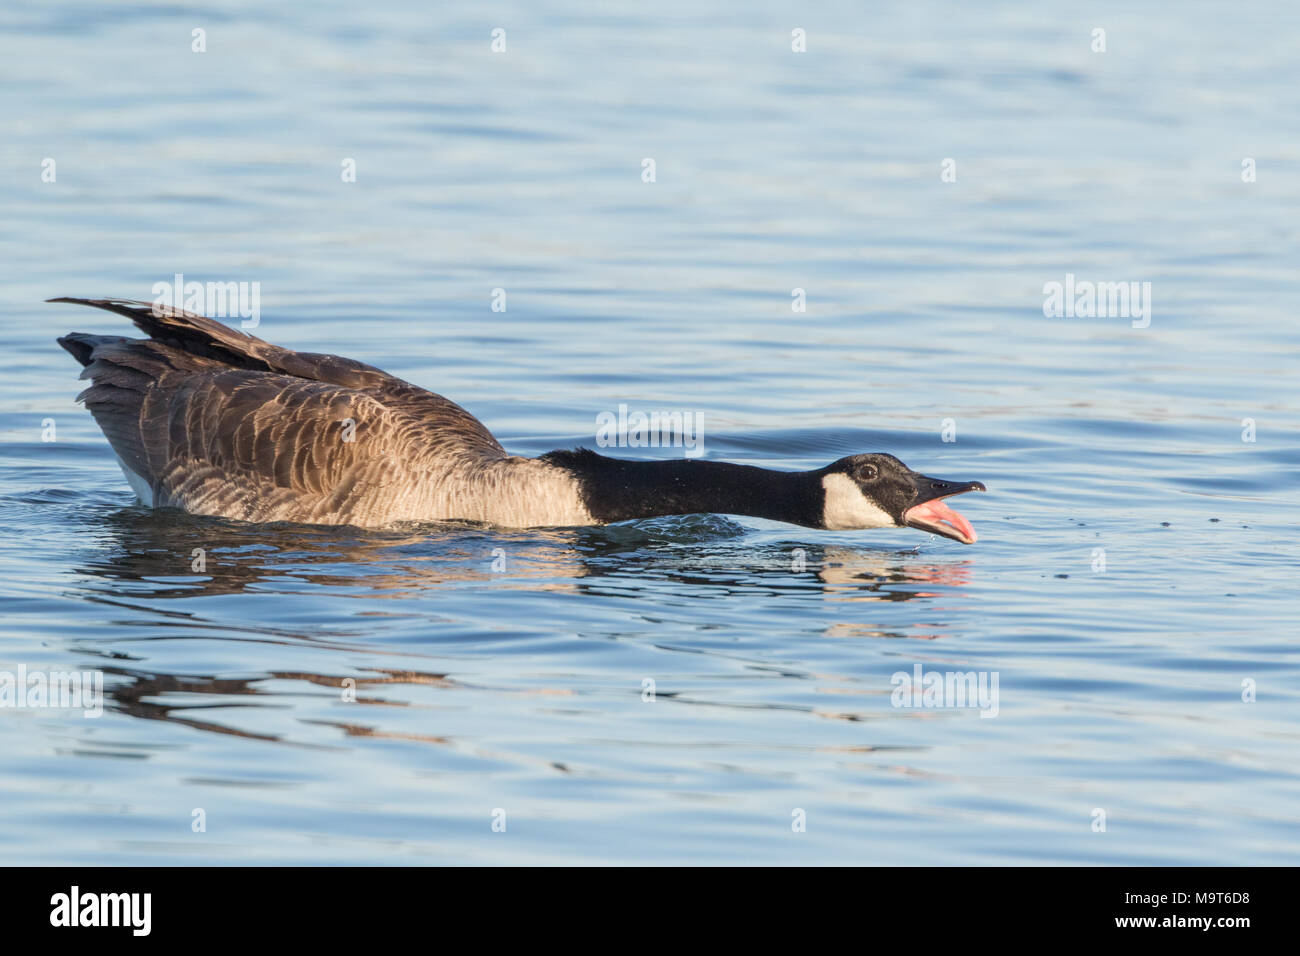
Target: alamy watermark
{"points": [[75, 908], [217, 300], [938, 689], [637, 429], [53, 690], [1091, 300]]}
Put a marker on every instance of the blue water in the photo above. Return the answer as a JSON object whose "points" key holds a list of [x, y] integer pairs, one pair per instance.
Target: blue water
{"points": [[519, 687]]}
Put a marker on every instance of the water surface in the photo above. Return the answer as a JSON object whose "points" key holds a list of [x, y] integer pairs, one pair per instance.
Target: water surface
{"points": [[508, 671]]}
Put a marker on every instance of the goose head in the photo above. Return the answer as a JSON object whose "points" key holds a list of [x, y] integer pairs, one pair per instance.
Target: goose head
{"points": [[879, 491]]}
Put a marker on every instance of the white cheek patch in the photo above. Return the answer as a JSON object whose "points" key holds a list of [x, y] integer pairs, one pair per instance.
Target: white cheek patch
{"points": [[847, 507]]}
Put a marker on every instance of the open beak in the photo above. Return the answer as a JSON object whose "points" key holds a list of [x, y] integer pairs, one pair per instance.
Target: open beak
{"points": [[931, 514]]}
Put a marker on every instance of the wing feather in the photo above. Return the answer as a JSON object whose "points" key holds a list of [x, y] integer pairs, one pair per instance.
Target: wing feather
{"points": [[219, 422]]}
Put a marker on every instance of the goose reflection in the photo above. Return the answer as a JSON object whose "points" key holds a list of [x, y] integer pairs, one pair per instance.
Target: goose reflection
{"points": [[173, 555], [146, 563], [139, 693], [850, 575], [143, 554], [191, 700]]}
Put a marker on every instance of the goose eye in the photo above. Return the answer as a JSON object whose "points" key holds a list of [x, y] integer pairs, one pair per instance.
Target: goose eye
{"points": [[867, 472]]}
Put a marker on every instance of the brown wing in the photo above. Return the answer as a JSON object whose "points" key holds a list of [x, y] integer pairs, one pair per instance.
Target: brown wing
{"points": [[219, 422]]}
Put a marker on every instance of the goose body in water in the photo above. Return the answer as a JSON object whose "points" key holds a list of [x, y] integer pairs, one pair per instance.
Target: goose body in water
{"points": [[205, 418]]}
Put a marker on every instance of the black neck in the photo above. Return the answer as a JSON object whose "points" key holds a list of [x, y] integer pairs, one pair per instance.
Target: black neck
{"points": [[615, 489]]}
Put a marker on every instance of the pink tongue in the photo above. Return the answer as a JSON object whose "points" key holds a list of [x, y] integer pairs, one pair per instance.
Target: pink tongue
{"points": [[939, 513]]}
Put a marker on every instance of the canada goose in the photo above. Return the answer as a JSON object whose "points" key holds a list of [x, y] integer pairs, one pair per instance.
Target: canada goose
{"points": [[208, 419]]}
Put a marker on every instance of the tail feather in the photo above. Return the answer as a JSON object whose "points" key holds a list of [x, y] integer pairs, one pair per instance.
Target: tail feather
{"points": [[81, 345], [186, 331], [134, 383], [207, 418], [124, 375], [199, 336]]}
